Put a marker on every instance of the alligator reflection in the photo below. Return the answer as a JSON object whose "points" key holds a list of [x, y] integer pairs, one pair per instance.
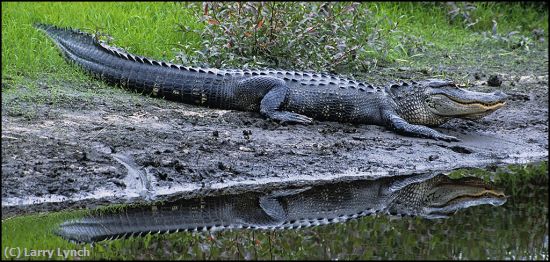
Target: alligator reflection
{"points": [[429, 196]]}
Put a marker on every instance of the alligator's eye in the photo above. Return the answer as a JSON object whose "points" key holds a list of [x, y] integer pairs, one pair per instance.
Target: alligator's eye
{"points": [[429, 102]]}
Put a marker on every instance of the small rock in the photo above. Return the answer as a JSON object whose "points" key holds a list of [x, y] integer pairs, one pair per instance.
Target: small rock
{"points": [[215, 133], [494, 80], [477, 76], [222, 166], [166, 162], [53, 189], [433, 157], [247, 134], [246, 149], [119, 183], [162, 176], [261, 153], [205, 149]]}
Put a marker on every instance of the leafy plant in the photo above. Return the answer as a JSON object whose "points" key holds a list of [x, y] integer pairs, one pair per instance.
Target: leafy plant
{"points": [[461, 13], [333, 36]]}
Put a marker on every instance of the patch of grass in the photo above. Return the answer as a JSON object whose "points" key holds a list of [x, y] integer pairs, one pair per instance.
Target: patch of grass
{"points": [[35, 232], [144, 28]]}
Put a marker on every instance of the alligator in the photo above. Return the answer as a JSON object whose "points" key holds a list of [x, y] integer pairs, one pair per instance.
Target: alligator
{"points": [[426, 195], [408, 108]]}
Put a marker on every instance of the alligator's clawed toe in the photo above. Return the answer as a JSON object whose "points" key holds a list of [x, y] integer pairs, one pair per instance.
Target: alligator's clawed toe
{"points": [[448, 138], [297, 118], [289, 117]]}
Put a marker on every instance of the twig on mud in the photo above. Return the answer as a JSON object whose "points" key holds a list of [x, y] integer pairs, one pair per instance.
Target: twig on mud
{"points": [[101, 130]]}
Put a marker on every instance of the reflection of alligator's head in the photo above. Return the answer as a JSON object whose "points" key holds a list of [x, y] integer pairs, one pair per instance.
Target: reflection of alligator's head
{"points": [[441, 196], [423, 195], [434, 102]]}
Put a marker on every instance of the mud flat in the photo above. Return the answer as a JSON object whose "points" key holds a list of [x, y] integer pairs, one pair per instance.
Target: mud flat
{"points": [[118, 147]]}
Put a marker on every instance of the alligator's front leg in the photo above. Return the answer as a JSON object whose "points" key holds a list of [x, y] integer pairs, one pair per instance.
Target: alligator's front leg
{"points": [[276, 91], [403, 127]]}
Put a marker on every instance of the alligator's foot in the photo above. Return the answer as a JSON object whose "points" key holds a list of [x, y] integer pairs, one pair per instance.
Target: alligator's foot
{"points": [[272, 101], [403, 127], [446, 138]]}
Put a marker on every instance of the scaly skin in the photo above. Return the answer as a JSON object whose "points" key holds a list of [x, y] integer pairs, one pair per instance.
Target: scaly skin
{"points": [[427, 195], [286, 96]]}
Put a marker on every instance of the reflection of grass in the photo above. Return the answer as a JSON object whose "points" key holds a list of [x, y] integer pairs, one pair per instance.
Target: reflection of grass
{"points": [[518, 227], [35, 232], [516, 180]]}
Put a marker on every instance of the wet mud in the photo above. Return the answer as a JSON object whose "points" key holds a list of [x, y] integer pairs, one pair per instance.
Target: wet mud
{"points": [[118, 147]]}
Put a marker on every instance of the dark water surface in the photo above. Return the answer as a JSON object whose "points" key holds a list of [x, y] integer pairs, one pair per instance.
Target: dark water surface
{"points": [[516, 230]]}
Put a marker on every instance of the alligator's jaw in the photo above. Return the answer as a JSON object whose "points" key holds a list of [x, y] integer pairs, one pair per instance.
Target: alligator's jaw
{"points": [[444, 212], [446, 198], [461, 103]]}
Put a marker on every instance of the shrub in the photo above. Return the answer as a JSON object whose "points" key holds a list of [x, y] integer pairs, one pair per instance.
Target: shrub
{"points": [[319, 36]]}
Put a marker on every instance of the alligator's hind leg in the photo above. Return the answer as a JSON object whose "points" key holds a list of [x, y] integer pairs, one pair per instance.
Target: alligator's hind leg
{"points": [[403, 127], [273, 100], [276, 91]]}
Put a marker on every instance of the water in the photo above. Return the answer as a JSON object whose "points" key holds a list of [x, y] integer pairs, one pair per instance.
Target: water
{"points": [[516, 230]]}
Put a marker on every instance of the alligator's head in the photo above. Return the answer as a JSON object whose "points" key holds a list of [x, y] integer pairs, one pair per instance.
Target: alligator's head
{"points": [[442, 196], [433, 102]]}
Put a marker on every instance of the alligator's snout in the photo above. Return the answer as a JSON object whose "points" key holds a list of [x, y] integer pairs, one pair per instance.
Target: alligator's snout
{"points": [[490, 101], [462, 103], [501, 96]]}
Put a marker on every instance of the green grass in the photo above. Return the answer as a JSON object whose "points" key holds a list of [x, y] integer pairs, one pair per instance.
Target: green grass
{"points": [[153, 29], [35, 232], [30, 58], [411, 28], [145, 28]]}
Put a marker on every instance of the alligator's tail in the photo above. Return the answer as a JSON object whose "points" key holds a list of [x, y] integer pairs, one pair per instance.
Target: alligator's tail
{"points": [[199, 214], [116, 66], [140, 221]]}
